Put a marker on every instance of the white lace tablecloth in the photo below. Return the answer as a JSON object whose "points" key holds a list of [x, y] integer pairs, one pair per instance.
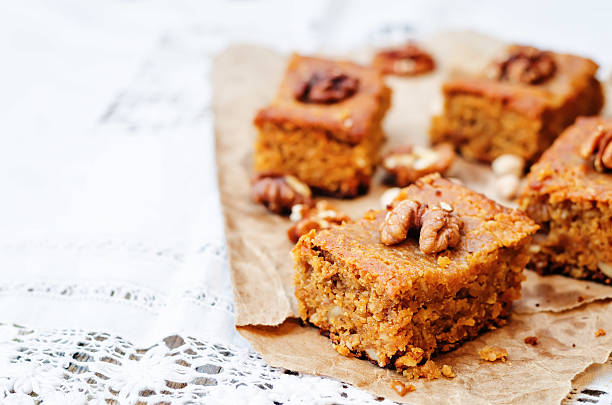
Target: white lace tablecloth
{"points": [[114, 278]]}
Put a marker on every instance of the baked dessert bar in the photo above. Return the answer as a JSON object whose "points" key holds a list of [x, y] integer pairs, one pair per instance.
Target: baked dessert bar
{"points": [[324, 126], [398, 304], [522, 103], [569, 193]]}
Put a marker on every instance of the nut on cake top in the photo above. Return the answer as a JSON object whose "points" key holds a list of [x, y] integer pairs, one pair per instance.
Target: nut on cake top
{"points": [[575, 166], [519, 105], [487, 229], [341, 97], [557, 86]]}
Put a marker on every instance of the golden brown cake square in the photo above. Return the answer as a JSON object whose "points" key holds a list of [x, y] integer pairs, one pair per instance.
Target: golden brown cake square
{"points": [[397, 305], [324, 125], [569, 193], [519, 106]]}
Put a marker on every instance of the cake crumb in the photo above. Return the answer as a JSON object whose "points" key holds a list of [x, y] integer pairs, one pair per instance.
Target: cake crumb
{"points": [[600, 332], [343, 350], [447, 371], [429, 370], [401, 388], [410, 358], [444, 261], [494, 353], [531, 340]]}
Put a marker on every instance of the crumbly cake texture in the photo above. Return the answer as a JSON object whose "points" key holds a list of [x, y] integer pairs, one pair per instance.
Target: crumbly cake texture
{"points": [[332, 147], [485, 118], [573, 204], [396, 305]]}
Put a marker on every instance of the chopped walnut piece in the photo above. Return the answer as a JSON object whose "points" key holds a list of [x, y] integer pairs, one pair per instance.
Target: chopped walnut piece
{"points": [[279, 193], [525, 64], [494, 353], [440, 227], [600, 332], [321, 216], [447, 371], [327, 87], [388, 196], [406, 60], [531, 340], [401, 388], [405, 164], [599, 145]]}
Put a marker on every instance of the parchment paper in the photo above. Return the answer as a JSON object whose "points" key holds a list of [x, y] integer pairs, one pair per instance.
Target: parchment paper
{"points": [[245, 78]]}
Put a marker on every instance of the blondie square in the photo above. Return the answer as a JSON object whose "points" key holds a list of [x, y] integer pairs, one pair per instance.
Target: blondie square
{"points": [[569, 193], [397, 305], [519, 106], [324, 126]]}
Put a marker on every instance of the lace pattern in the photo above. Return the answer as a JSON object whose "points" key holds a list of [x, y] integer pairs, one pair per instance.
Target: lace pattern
{"points": [[70, 366], [78, 367]]}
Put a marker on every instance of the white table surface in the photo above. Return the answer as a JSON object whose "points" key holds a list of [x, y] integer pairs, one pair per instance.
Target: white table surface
{"points": [[111, 236]]}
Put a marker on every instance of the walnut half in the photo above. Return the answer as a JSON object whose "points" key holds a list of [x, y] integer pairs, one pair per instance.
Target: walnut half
{"points": [[279, 193], [327, 87], [525, 64], [599, 145], [440, 227]]}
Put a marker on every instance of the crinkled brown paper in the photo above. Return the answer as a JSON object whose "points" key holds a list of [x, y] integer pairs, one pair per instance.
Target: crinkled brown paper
{"points": [[245, 79]]}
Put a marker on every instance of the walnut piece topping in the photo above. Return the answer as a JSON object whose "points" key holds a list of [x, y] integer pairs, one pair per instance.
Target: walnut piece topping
{"points": [[406, 215], [321, 216], [525, 64], [599, 145], [494, 353], [440, 228], [407, 60], [405, 164], [279, 193], [327, 87], [531, 340]]}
